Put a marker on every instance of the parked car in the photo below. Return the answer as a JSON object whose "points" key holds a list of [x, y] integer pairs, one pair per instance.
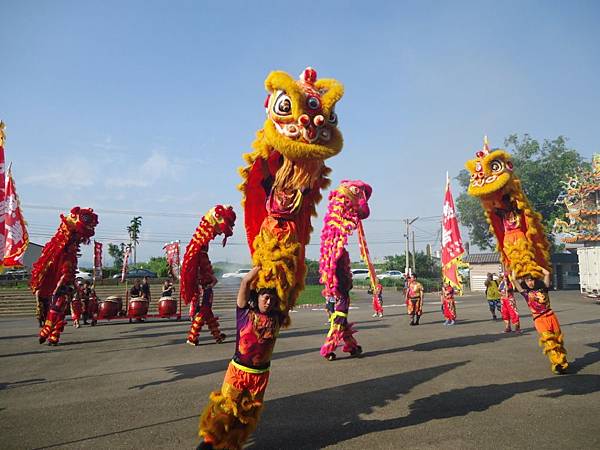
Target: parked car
{"points": [[138, 273], [394, 274], [360, 274], [14, 274], [237, 274], [80, 275]]}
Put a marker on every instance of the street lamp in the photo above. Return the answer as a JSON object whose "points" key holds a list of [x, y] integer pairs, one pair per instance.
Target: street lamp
{"points": [[408, 222]]}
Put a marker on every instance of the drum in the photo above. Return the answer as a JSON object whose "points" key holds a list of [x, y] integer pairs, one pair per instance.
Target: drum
{"points": [[138, 308], [167, 306], [110, 307]]}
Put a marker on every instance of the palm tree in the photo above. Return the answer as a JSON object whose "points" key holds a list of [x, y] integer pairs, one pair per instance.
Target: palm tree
{"points": [[134, 232]]}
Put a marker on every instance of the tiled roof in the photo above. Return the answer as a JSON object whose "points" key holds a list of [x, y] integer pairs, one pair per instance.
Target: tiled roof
{"points": [[482, 258]]}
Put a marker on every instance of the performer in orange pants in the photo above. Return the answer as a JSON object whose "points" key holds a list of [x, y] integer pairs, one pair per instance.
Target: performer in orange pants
{"points": [[546, 323], [232, 413]]}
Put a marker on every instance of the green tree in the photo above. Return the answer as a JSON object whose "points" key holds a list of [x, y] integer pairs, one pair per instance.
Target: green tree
{"points": [[116, 253], [156, 264], [426, 267], [540, 167], [134, 232]]}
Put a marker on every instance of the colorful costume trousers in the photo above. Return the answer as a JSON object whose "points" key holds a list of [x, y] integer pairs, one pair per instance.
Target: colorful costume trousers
{"points": [[76, 308], [340, 331], [449, 308], [377, 304], [205, 316], [55, 322], [551, 339], [232, 414], [415, 307], [509, 310]]}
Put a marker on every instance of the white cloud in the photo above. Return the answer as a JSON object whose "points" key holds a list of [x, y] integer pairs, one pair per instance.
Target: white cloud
{"points": [[157, 167], [75, 172]]}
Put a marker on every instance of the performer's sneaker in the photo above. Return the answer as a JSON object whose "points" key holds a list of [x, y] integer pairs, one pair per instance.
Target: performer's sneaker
{"points": [[221, 338], [374, 315], [42, 340], [357, 351], [193, 344], [507, 330], [204, 446], [518, 331], [559, 370], [330, 357]]}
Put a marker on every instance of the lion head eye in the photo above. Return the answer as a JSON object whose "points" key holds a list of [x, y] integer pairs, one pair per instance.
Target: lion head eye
{"points": [[354, 189], [333, 118], [497, 166], [313, 103], [283, 105]]}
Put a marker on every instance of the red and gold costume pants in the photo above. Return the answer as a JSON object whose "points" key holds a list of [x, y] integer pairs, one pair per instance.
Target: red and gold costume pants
{"points": [[551, 339], [509, 311], [339, 331], [205, 316], [76, 308], [232, 414], [415, 306], [449, 308], [55, 322], [377, 304]]}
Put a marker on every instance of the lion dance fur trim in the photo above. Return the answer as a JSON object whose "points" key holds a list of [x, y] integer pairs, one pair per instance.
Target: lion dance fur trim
{"points": [[196, 267], [56, 267], [518, 228], [281, 186], [348, 206]]}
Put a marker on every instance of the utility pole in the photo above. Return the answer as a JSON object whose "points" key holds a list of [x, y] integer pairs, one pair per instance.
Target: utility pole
{"points": [[414, 266], [408, 222]]}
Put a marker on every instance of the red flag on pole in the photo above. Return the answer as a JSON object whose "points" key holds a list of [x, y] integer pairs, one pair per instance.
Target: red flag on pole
{"points": [[452, 246], [2, 196], [125, 262], [173, 260], [15, 231], [98, 258]]}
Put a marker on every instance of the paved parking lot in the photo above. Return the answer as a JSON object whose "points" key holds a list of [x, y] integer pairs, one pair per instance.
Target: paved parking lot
{"points": [[122, 385]]}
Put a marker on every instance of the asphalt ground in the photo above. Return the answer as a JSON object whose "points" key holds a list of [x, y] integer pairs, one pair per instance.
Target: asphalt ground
{"points": [[122, 385]]}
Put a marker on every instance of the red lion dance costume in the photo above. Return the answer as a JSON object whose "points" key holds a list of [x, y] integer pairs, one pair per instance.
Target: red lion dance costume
{"points": [[281, 187], [522, 242], [53, 275], [348, 205], [196, 271]]}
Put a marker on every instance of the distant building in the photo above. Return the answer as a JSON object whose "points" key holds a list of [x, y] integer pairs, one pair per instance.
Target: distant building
{"points": [[565, 270], [32, 254], [480, 264]]}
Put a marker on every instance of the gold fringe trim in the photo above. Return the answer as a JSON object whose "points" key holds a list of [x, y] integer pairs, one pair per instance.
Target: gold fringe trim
{"points": [[227, 422]]}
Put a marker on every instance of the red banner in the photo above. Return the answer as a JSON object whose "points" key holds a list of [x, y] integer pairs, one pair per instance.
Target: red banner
{"points": [[98, 258], [16, 238], [2, 195], [452, 246], [125, 263], [173, 260]]}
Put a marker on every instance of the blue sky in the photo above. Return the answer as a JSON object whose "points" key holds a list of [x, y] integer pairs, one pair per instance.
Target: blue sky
{"points": [[148, 106]]}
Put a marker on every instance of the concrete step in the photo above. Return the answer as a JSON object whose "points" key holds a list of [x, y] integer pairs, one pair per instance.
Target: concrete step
{"points": [[20, 302]]}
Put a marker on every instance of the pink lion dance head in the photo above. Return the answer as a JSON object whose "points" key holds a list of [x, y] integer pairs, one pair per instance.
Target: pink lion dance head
{"points": [[348, 205]]}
